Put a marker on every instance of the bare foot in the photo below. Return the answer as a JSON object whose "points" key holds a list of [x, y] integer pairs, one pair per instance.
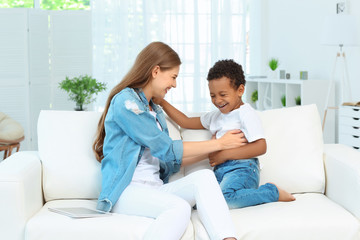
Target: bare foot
{"points": [[284, 196]]}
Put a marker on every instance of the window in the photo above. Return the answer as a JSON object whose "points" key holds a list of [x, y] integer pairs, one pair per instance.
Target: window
{"points": [[47, 4], [201, 32]]}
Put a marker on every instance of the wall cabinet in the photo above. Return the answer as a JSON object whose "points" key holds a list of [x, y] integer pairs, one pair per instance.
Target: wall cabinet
{"points": [[349, 126], [271, 92]]}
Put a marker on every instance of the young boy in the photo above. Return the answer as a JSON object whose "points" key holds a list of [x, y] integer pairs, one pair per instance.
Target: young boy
{"points": [[237, 170]]}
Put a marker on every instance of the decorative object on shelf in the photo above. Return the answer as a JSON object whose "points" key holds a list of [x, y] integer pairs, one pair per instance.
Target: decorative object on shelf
{"points": [[11, 134], [288, 76], [283, 100], [341, 7], [267, 98], [303, 75], [282, 74], [273, 65], [81, 89], [298, 100], [339, 30], [254, 98]]}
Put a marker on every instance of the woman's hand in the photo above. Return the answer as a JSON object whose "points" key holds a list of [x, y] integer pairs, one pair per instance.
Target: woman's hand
{"points": [[232, 139], [219, 157]]}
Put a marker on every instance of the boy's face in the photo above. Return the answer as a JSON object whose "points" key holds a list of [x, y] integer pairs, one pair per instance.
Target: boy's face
{"points": [[224, 96]]}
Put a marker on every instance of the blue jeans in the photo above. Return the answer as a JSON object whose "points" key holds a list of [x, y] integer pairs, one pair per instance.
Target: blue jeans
{"points": [[239, 182]]}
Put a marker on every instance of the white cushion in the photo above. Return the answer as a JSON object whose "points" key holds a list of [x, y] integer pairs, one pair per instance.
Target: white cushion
{"points": [[70, 169], [294, 157], [312, 217], [191, 135], [10, 129], [65, 140], [49, 225]]}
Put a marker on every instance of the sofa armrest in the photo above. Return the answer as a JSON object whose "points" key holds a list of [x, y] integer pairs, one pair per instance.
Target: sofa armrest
{"points": [[342, 166], [21, 192]]}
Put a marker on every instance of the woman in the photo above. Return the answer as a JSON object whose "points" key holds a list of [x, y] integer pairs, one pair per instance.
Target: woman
{"points": [[137, 155]]}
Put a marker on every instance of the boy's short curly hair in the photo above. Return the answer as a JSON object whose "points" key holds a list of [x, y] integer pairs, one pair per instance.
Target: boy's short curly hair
{"points": [[230, 69]]}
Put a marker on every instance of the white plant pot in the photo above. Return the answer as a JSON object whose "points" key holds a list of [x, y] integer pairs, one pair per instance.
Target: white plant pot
{"points": [[273, 74]]}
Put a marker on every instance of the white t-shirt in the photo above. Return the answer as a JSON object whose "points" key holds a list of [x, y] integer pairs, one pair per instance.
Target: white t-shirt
{"points": [[244, 118], [147, 170]]}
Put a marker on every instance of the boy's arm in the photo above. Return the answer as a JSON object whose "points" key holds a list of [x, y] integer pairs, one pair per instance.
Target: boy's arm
{"points": [[250, 150], [180, 118]]}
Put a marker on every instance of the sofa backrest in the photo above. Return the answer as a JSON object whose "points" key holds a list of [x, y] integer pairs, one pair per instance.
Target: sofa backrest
{"points": [[70, 169], [294, 157]]}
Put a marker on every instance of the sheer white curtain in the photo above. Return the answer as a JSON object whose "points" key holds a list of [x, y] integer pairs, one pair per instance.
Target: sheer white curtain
{"points": [[201, 31]]}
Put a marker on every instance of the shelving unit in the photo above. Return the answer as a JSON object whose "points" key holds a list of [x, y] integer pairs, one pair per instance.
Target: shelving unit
{"points": [[270, 92], [349, 126]]}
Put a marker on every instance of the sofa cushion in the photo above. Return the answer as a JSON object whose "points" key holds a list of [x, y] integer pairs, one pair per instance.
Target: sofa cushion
{"points": [[65, 140], [294, 157], [295, 165], [196, 135], [312, 216], [70, 169], [49, 225]]}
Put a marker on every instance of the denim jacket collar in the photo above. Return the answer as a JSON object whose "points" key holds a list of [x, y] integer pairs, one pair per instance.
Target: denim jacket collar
{"points": [[156, 108]]}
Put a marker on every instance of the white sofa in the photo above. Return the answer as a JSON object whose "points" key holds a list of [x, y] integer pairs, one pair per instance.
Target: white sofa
{"points": [[325, 180]]}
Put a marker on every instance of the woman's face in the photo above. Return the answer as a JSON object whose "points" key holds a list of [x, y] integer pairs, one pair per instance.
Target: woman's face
{"points": [[163, 81]]}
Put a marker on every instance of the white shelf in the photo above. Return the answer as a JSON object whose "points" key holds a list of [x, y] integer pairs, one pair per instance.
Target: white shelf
{"points": [[270, 92]]}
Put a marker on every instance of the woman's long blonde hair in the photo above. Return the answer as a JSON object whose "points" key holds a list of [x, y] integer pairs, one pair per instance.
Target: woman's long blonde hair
{"points": [[154, 54]]}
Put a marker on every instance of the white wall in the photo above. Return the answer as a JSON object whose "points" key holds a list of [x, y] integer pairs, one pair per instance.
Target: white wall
{"points": [[291, 30]]}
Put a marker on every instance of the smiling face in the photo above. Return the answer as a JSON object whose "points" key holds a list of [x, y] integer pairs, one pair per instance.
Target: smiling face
{"points": [[162, 81], [224, 95]]}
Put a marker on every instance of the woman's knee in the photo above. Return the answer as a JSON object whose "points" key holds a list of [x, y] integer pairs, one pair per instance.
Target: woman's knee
{"points": [[205, 174], [182, 207], [203, 178]]}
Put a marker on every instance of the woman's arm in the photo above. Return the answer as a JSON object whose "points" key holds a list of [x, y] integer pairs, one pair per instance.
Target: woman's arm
{"points": [[250, 150], [191, 160], [180, 118]]}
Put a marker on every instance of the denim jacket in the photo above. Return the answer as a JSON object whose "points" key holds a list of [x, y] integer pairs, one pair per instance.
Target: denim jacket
{"points": [[130, 128]]}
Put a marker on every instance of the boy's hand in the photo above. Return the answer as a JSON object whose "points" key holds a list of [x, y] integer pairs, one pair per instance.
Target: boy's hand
{"points": [[216, 158], [157, 100]]}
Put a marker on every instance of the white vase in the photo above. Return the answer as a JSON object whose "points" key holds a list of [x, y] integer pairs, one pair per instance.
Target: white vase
{"points": [[273, 74]]}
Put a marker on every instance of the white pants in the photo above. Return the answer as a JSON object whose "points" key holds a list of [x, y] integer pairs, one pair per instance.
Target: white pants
{"points": [[170, 205]]}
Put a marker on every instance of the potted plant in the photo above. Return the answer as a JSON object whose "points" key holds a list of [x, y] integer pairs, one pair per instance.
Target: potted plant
{"points": [[283, 100], [81, 89], [298, 100], [254, 97], [273, 65]]}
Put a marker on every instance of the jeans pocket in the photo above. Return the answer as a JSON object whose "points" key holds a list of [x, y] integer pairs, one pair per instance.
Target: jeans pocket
{"points": [[254, 176]]}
